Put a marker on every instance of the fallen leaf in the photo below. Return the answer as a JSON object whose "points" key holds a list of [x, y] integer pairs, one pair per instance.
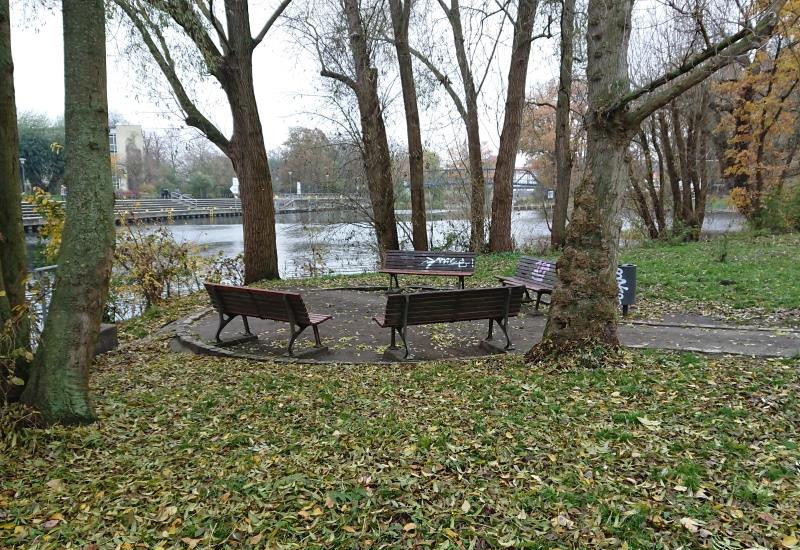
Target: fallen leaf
{"points": [[465, 507]]}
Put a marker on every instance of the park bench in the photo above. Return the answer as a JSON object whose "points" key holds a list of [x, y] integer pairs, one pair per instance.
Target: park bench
{"points": [[233, 301], [449, 306], [408, 262], [535, 275]]}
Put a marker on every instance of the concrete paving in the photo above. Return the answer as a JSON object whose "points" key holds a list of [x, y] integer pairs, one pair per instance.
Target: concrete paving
{"points": [[352, 337]]}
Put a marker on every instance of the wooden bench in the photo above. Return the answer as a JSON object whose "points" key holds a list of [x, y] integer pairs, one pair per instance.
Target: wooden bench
{"points": [[233, 301], [535, 275], [449, 306], [409, 262]]}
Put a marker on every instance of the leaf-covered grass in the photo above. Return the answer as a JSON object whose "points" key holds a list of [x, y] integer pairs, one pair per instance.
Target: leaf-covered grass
{"points": [[674, 450]]}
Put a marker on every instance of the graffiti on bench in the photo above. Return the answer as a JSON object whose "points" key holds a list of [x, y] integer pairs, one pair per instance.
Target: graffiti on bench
{"points": [[448, 261]]}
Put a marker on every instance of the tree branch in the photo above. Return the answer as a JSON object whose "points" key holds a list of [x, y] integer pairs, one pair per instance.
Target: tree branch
{"points": [[443, 80], [697, 68], [271, 21], [184, 15], [344, 79], [193, 116], [208, 12]]}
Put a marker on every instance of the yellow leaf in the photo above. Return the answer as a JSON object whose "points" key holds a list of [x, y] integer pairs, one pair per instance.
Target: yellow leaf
{"points": [[789, 541], [56, 485], [450, 533], [348, 529], [410, 526], [465, 507], [191, 543], [254, 540]]}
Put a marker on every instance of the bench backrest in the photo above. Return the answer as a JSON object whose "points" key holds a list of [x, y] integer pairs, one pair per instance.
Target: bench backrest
{"points": [[446, 306], [276, 305], [459, 262], [534, 269]]}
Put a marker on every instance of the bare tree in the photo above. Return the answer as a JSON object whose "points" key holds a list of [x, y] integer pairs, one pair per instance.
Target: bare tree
{"points": [[500, 229], [226, 53], [356, 71], [563, 151], [467, 108], [401, 16], [584, 303]]}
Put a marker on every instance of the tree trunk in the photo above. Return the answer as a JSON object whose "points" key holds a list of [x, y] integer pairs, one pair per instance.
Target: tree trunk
{"points": [[502, 198], [401, 13], [377, 160], [247, 150], [563, 149], [12, 234], [470, 115], [58, 386], [584, 301]]}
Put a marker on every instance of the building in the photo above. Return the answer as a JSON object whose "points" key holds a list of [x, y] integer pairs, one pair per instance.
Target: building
{"points": [[122, 138]]}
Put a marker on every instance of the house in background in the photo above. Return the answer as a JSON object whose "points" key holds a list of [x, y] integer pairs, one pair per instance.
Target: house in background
{"points": [[121, 138]]}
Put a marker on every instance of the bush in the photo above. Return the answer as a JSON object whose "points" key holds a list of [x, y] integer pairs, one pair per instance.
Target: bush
{"points": [[780, 212]]}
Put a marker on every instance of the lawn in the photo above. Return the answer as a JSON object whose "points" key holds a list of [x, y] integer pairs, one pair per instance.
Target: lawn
{"points": [[195, 452]]}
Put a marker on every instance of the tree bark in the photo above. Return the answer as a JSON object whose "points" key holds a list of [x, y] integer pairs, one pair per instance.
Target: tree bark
{"points": [[12, 234], [377, 160], [247, 150], [401, 14], [503, 195], [58, 386], [563, 149]]}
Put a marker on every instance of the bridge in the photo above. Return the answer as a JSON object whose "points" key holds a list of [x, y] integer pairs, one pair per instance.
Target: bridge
{"points": [[185, 208]]}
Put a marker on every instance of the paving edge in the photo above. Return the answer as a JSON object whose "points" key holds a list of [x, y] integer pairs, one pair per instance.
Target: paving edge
{"points": [[185, 340]]}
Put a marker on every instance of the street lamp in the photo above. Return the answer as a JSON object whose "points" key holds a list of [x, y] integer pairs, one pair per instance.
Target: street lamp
{"points": [[22, 165]]}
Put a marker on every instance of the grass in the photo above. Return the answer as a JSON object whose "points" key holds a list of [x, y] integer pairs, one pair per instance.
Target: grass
{"points": [[206, 452], [760, 273]]}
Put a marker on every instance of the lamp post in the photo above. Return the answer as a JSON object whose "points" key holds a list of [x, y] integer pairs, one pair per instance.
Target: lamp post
{"points": [[289, 186], [22, 166]]}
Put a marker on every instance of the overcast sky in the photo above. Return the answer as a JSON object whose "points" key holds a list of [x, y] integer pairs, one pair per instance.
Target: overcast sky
{"points": [[287, 83]]}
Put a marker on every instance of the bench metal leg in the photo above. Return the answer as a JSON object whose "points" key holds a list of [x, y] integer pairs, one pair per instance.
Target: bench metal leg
{"points": [[461, 281], [246, 326], [316, 336], [393, 281], [503, 324], [223, 322], [393, 345], [538, 300], [294, 336], [491, 326], [405, 342]]}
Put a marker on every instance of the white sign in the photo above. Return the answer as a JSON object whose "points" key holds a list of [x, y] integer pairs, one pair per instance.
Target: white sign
{"points": [[299, 190], [235, 187]]}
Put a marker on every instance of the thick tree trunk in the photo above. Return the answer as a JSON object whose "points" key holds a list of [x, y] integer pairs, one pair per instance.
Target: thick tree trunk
{"points": [[377, 160], [247, 150], [12, 234], [401, 13], [58, 386], [502, 198], [584, 301], [563, 149]]}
